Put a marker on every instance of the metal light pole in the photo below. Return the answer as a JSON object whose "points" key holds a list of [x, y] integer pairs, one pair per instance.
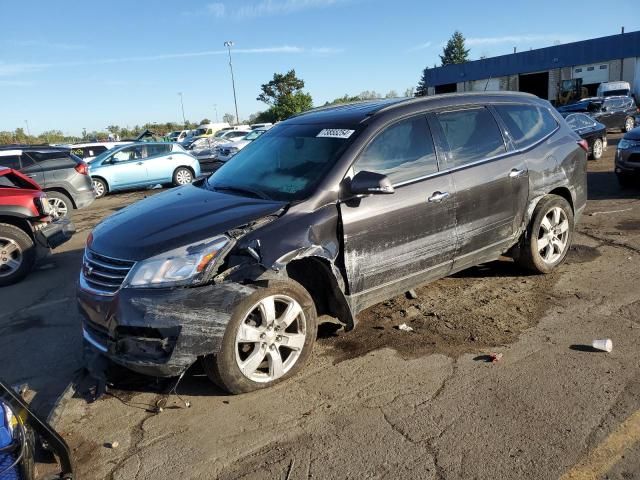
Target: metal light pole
{"points": [[215, 108], [26, 122], [184, 121], [229, 44]]}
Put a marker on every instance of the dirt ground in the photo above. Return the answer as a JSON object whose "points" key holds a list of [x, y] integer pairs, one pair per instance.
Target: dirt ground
{"points": [[378, 402]]}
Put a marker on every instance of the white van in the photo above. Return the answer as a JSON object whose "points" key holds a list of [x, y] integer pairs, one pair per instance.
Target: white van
{"points": [[610, 89], [209, 129]]}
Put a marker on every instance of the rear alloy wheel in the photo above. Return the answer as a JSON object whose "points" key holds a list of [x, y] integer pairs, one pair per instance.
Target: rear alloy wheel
{"points": [[182, 176], [17, 254], [60, 205], [548, 238], [269, 338], [629, 123], [99, 187], [597, 149]]}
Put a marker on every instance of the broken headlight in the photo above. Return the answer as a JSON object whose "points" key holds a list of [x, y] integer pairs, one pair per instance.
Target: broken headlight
{"points": [[186, 265]]}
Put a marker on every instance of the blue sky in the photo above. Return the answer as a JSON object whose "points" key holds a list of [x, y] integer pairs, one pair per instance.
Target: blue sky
{"points": [[73, 64]]}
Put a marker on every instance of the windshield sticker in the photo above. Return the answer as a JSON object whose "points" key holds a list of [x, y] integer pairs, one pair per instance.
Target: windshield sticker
{"points": [[335, 133]]}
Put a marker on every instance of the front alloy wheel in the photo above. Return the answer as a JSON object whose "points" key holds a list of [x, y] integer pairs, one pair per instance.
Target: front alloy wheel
{"points": [[598, 148], [269, 338], [629, 123]]}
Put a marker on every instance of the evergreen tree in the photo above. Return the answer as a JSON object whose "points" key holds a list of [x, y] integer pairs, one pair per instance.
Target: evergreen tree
{"points": [[423, 85], [455, 52]]}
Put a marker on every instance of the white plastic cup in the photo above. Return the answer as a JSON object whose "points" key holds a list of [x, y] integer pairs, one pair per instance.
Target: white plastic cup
{"points": [[606, 345]]}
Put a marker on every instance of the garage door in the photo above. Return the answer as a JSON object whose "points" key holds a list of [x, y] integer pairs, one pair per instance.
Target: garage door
{"points": [[594, 73], [492, 85]]}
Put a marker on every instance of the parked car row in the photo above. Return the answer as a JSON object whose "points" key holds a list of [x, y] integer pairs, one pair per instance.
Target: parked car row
{"points": [[614, 112]]}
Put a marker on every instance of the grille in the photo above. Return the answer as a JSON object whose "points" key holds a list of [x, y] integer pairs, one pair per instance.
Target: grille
{"points": [[104, 274], [634, 157]]}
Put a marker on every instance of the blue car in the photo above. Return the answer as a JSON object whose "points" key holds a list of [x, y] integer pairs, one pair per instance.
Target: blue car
{"points": [[141, 165]]}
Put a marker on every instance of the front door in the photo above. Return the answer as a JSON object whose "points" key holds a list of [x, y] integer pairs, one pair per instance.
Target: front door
{"points": [[393, 242], [491, 186], [127, 168]]}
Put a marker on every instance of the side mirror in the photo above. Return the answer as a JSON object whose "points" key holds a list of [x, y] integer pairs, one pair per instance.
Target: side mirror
{"points": [[370, 183]]}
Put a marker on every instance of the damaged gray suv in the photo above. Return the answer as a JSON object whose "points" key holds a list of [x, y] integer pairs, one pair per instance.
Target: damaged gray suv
{"points": [[327, 213]]}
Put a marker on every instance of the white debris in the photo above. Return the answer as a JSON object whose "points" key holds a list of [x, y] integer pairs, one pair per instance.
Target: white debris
{"points": [[405, 328]]}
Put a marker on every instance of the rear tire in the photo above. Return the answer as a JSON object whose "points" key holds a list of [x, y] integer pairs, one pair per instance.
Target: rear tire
{"points": [[182, 176], [546, 242], [597, 149], [61, 205], [260, 349], [100, 187], [17, 254]]}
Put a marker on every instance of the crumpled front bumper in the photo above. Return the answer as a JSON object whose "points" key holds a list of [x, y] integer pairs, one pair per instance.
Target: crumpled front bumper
{"points": [[158, 332], [56, 233]]}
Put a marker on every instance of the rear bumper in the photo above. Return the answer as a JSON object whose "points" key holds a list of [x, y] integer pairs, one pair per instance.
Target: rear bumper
{"points": [[158, 332], [84, 199]]}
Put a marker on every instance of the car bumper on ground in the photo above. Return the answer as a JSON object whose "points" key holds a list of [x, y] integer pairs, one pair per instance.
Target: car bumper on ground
{"points": [[56, 233], [158, 332], [84, 199]]}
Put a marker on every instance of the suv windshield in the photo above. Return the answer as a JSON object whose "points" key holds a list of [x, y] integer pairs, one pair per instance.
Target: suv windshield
{"points": [[286, 164]]}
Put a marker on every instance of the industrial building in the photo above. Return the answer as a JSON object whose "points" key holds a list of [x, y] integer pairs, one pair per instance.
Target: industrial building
{"points": [[540, 71]]}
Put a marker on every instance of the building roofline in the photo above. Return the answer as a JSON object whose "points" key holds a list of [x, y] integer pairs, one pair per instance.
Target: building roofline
{"points": [[623, 45]]}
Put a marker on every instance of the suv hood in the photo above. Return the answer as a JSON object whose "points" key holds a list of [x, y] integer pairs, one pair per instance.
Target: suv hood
{"points": [[173, 219]]}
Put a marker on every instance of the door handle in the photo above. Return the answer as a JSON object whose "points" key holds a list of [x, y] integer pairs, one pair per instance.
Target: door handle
{"points": [[437, 197], [169, 158], [140, 163], [515, 173]]}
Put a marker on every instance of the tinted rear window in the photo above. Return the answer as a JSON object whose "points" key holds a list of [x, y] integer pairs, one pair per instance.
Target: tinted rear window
{"points": [[527, 124], [471, 134]]}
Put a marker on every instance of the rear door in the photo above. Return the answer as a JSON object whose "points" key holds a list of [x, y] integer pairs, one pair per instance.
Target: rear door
{"points": [[610, 115], [159, 162], [491, 184], [32, 169], [393, 242]]}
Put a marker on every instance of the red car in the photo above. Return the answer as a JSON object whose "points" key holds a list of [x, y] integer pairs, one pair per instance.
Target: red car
{"points": [[27, 231]]}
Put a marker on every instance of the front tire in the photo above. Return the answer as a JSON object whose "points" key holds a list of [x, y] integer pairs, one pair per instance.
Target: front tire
{"points": [[629, 124], [268, 339], [597, 149], [100, 187], [17, 254], [60, 204], [182, 176], [548, 238]]}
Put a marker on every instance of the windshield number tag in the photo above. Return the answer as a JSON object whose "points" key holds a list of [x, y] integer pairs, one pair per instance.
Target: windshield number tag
{"points": [[335, 133]]}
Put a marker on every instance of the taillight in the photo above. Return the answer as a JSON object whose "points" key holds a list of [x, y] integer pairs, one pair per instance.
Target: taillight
{"points": [[584, 144], [82, 168]]}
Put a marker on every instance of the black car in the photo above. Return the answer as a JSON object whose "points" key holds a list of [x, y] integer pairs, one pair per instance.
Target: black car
{"points": [[327, 213], [628, 159], [60, 173], [616, 113], [594, 132]]}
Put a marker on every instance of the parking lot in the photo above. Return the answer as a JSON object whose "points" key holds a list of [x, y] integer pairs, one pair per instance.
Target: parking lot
{"points": [[377, 402]]}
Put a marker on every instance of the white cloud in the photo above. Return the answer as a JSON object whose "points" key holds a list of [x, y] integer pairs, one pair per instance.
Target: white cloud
{"points": [[16, 83], [14, 69], [422, 46], [216, 9], [518, 39], [275, 7]]}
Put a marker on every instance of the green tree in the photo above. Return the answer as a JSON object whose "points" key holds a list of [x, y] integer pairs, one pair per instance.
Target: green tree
{"points": [[285, 97], [204, 121], [454, 51], [423, 85], [391, 94], [229, 118]]}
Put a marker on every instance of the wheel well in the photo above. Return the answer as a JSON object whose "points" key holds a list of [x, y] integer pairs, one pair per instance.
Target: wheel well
{"points": [[316, 276], [62, 191], [193, 172], [102, 180], [564, 193], [21, 223]]}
